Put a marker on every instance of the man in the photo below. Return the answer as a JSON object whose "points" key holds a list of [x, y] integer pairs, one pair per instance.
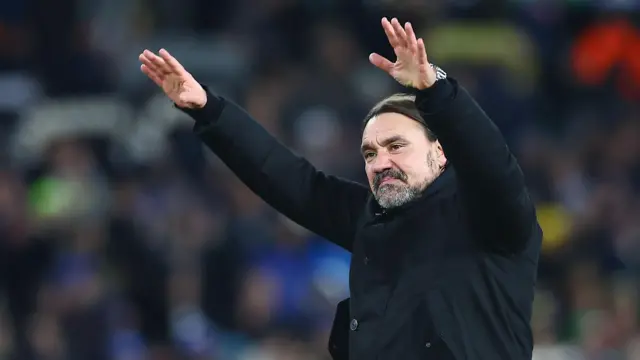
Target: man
{"points": [[445, 241]]}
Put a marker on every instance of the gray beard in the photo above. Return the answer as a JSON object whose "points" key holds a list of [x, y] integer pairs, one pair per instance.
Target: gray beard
{"points": [[394, 195]]}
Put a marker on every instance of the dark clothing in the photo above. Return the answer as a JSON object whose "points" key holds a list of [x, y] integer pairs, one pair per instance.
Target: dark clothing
{"points": [[448, 276], [23, 266]]}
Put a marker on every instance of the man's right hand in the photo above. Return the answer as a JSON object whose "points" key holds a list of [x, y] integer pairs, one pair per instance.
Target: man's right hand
{"points": [[175, 81]]}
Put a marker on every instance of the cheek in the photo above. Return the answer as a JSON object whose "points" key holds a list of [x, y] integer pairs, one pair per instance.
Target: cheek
{"points": [[417, 175], [370, 174], [414, 173]]}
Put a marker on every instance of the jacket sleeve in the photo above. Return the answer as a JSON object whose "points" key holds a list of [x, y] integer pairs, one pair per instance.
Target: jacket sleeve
{"points": [[488, 172], [326, 205]]}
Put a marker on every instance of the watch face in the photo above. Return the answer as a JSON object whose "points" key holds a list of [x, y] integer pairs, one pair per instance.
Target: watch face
{"points": [[440, 74]]}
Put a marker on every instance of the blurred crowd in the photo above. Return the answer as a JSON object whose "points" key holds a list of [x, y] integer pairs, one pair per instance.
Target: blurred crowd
{"points": [[121, 237]]}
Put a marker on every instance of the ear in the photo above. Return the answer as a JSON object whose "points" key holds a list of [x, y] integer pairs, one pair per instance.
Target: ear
{"points": [[442, 158]]}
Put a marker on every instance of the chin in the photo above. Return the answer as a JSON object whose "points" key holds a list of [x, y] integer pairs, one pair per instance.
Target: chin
{"points": [[390, 203], [390, 196]]}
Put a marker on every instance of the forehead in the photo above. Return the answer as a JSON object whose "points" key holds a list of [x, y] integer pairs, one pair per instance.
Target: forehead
{"points": [[391, 124]]}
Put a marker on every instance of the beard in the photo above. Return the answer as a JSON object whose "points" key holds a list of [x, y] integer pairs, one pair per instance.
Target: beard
{"points": [[398, 193], [394, 195]]}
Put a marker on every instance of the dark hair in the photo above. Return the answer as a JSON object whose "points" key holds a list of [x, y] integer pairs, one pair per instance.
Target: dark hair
{"points": [[403, 104]]}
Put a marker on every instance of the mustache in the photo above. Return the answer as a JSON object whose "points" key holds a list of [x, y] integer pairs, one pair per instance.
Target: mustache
{"points": [[389, 173]]}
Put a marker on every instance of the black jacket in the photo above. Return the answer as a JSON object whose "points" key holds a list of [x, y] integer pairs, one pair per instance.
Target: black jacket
{"points": [[449, 276]]}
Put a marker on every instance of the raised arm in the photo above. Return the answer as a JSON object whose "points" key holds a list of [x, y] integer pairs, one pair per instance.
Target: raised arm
{"points": [[324, 204], [489, 174]]}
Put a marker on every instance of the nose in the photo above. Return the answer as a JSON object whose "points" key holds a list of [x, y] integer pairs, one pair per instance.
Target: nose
{"points": [[381, 163]]}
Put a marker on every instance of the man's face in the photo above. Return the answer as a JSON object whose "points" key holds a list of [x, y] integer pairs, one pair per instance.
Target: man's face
{"points": [[400, 161]]}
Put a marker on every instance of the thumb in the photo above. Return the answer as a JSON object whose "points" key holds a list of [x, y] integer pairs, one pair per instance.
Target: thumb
{"points": [[381, 62]]}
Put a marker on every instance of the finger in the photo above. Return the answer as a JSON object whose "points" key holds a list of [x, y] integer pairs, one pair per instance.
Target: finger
{"points": [[159, 64], [146, 60], [174, 64], [412, 42], [154, 76], [157, 78], [391, 34], [400, 33], [422, 53], [381, 62]]}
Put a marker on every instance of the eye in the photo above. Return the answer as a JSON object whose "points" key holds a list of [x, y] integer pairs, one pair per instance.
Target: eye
{"points": [[368, 155], [395, 147]]}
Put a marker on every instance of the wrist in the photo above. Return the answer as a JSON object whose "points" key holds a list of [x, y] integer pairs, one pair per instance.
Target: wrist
{"points": [[433, 74], [427, 82]]}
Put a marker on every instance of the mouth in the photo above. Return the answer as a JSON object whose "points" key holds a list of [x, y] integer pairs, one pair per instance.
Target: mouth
{"points": [[387, 180]]}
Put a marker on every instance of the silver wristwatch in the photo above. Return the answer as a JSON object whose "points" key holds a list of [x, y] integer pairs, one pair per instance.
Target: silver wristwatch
{"points": [[440, 74]]}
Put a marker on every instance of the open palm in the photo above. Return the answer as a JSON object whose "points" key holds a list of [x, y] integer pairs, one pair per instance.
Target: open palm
{"points": [[178, 84], [411, 67]]}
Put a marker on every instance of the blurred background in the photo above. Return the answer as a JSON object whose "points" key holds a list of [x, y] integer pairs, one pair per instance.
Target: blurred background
{"points": [[122, 238]]}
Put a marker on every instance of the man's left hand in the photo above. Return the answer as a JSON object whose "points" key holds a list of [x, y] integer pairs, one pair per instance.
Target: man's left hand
{"points": [[412, 68]]}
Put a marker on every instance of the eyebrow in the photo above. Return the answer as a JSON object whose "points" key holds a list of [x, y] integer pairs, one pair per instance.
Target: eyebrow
{"points": [[368, 145]]}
